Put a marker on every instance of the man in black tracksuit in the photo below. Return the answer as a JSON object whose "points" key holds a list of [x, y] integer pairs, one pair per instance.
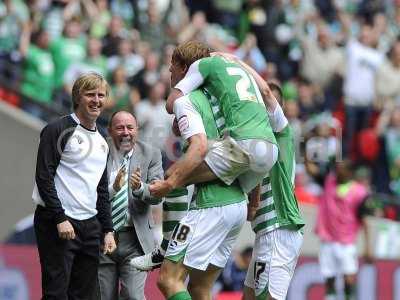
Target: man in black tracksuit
{"points": [[71, 192]]}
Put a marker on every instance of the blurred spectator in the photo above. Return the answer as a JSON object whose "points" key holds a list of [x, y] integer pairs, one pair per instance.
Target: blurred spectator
{"points": [[153, 30], [12, 23], [306, 190], [100, 20], [121, 92], [309, 102], [362, 61], [131, 62], [116, 33], [227, 13], [323, 61], [340, 216], [69, 48], [94, 57], [176, 18], [154, 121], [38, 70], [212, 34], [54, 18], [123, 9], [291, 110], [233, 276], [148, 76], [389, 127], [94, 62], [251, 54], [393, 22], [388, 77], [321, 147], [195, 29]]}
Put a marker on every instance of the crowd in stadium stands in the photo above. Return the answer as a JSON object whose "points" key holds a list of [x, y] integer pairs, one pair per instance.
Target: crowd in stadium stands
{"points": [[338, 63]]}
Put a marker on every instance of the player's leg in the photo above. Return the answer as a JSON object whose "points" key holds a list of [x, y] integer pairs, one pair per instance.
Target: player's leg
{"points": [[225, 160], [262, 157], [171, 280], [285, 252], [257, 277], [173, 271], [330, 290], [229, 160], [249, 285], [175, 207], [349, 263], [273, 263], [248, 293], [349, 286], [214, 248], [329, 268], [201, 283], [205, 237]]}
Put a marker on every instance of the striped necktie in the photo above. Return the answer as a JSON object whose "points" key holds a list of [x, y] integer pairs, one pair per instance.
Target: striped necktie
{"points": [[120, 200]]}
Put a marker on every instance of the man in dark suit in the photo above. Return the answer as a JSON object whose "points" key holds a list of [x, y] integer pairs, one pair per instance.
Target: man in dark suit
{"points": [[131, 166]]}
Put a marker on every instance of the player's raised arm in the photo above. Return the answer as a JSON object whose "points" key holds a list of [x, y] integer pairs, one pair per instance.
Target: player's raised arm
{"points": [[191, 81]]}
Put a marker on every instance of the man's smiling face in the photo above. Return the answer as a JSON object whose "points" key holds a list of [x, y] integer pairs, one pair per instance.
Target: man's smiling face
{"points": [[123, 131]]}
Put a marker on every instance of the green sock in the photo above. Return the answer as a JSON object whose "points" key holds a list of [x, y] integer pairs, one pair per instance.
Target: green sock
{"points": [[184, 295], [263, 295], [349, 292]]}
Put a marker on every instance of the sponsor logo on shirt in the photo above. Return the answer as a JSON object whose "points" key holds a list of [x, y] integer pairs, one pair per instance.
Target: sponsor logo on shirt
{"points": [[183, 123]]}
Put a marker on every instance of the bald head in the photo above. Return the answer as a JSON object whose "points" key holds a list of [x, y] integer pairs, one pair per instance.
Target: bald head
{"points": [[123, 130]]}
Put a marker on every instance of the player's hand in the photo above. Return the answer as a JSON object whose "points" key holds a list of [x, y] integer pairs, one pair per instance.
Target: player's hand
{"points": [[160, 188], [109, 243], [175, 128], [135, 179], [119, 180], [65, 230]]}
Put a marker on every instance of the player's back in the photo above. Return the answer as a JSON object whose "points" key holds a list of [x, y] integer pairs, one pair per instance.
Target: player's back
{"points": [[279, 205], [235, 95]]}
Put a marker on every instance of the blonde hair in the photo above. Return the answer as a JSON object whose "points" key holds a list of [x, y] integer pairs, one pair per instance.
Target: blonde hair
{"points": [[87, 82], [187, 53]]}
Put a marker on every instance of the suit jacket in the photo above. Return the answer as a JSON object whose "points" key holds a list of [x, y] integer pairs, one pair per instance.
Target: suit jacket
{"points": [[149, 160]]}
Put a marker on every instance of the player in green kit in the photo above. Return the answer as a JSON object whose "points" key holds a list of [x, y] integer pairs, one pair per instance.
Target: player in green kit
{"points": [[246, 149], [276, 218], [203, 240]]}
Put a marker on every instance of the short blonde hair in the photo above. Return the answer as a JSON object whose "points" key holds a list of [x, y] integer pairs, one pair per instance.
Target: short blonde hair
{"points": [[87, 82], [187, 53]]}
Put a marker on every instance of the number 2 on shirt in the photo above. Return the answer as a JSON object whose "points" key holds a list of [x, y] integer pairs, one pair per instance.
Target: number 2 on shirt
{"points": [[243, 85]]}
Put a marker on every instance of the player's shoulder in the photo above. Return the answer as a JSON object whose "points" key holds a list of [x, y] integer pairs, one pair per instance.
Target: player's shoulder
{"points": [[212, 61], [57, 126], [198, 93], [198, 97]]}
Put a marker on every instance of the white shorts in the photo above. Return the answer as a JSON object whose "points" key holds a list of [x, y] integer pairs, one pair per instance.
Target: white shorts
{"points": [[248, 160], [336, 258], [207, 236], [273, 262]]}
